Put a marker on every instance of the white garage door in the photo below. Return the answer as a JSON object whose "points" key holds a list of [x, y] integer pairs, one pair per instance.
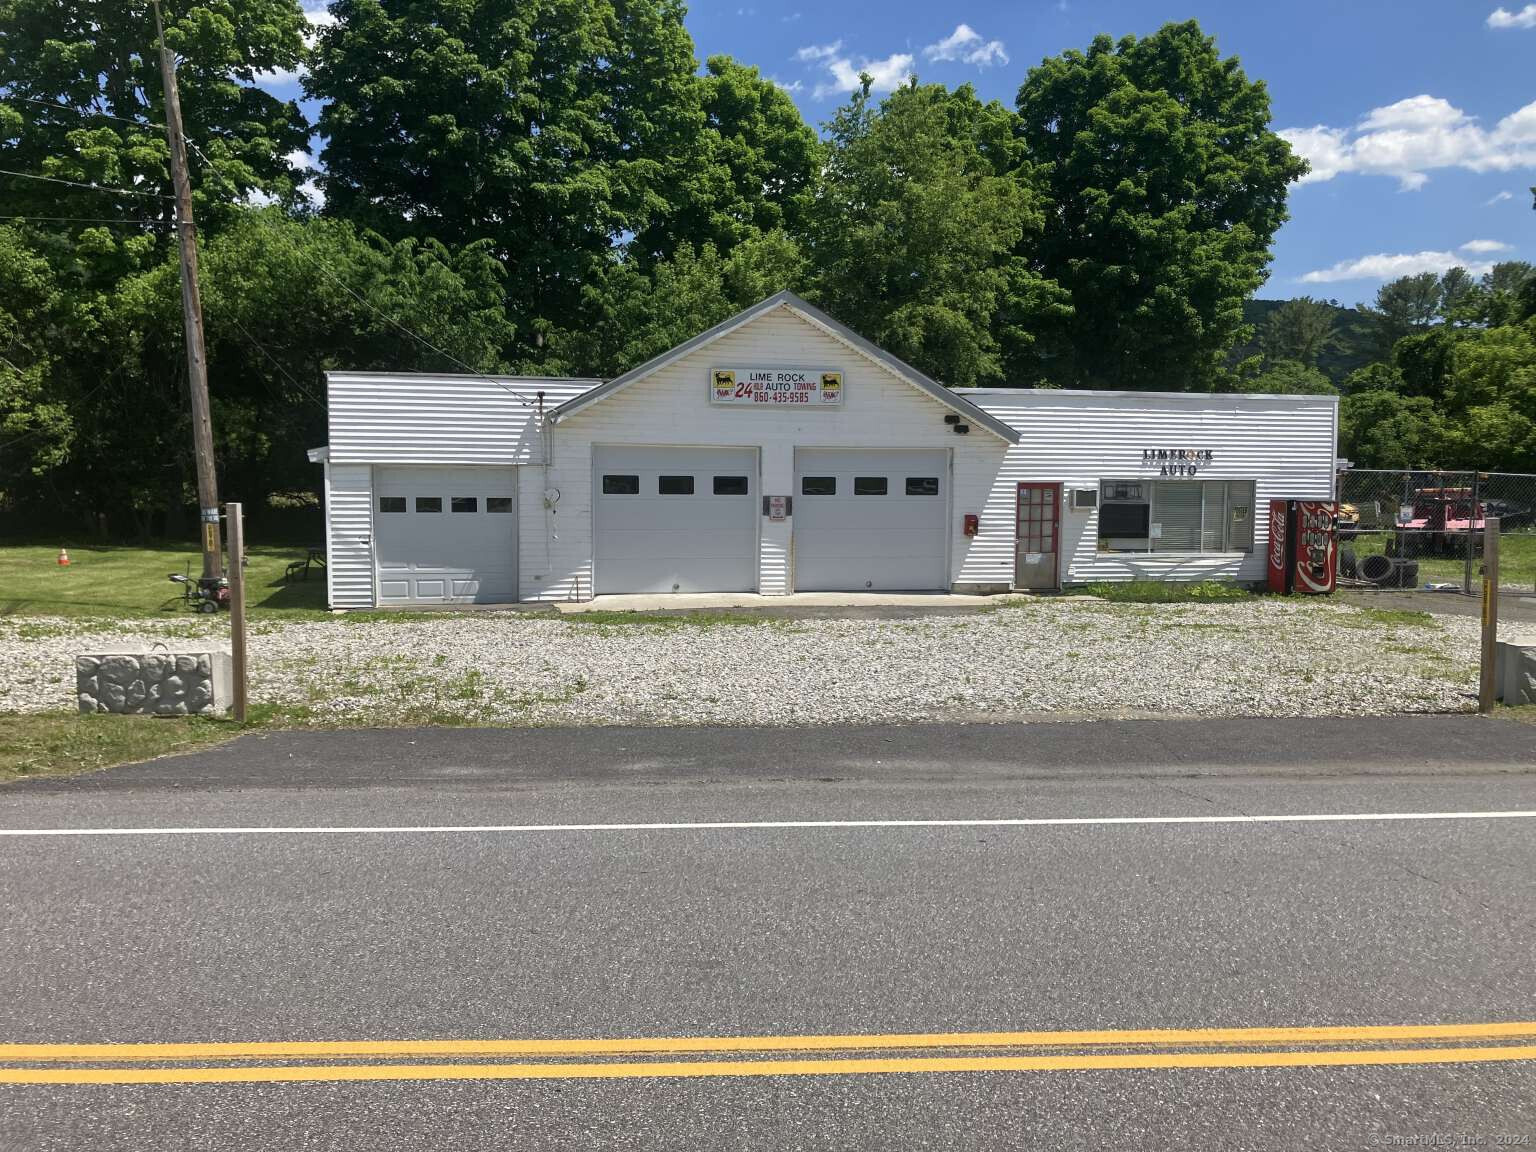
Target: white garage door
{"points": [[674, 519], [445, 535], [871, 520]]}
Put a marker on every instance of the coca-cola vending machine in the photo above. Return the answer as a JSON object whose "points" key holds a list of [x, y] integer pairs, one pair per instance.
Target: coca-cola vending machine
{"points": [[1303, 546]]}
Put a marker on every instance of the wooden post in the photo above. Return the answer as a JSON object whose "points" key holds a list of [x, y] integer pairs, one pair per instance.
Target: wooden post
{"points": [[192, 319], [1485, 700], [237, 607]]}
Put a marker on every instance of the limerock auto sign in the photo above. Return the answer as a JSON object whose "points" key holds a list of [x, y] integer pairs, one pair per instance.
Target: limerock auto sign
{"points": [[1176, 461], [810, 387]]}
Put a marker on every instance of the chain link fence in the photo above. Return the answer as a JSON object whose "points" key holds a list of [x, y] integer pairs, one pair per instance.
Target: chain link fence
{"points": [[1423, 529]]}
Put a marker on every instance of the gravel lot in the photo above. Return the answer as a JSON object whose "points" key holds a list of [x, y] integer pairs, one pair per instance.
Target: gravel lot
{"points": [[1259, 657]]}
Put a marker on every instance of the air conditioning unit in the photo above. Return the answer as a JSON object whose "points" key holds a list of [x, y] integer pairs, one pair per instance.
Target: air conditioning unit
{"points": [[1085, 499]]}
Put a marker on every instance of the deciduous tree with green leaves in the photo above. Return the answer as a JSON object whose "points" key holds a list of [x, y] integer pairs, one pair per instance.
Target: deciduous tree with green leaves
{"points": [[1164, 185], [919, 227]]}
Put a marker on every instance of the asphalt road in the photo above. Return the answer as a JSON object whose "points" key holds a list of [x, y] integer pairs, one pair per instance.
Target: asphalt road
{"points": [[600, 933]]}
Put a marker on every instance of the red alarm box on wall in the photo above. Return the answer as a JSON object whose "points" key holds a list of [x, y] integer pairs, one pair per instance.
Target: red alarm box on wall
{"points": [[972, 524]]}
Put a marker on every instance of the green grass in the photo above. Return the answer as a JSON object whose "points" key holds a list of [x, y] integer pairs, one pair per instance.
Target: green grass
{"points": [[1517, 560], [63, 742], [126, 582], [1525, 713], [1158, 592]]}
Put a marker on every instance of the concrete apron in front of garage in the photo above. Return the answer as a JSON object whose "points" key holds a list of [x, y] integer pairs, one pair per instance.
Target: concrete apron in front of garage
{"points": [[849, 605], [845, 604]]}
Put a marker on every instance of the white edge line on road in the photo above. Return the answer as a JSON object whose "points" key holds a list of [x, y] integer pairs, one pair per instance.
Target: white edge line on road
{"points": [[729, 825]]}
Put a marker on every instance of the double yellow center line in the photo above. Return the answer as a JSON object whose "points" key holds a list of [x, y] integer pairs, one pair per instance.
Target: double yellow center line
{"points": [[730, 1056]]}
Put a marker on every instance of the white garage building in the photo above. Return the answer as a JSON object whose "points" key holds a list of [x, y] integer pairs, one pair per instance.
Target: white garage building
{"points": [[780, 452]]}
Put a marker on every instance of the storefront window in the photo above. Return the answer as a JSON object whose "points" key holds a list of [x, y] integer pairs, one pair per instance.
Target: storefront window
{"points": [[1185, 516]]}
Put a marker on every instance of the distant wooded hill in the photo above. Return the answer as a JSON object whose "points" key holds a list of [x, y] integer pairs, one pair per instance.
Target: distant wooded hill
{"points": [[1351, 345]]}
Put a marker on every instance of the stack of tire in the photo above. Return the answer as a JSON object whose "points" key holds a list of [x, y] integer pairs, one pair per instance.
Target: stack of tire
{"points": [[1382, 571]]}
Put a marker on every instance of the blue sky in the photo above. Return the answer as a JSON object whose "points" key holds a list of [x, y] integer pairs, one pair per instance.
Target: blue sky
{"points": [[1419, 116]]}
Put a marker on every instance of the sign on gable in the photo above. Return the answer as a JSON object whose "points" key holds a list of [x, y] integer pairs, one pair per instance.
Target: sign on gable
{"points": [[813, 387]]}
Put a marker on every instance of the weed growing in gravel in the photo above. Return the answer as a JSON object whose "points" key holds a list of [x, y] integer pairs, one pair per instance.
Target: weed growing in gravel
{"points": [[1159, 592], [1371, 617], [606, 623]]}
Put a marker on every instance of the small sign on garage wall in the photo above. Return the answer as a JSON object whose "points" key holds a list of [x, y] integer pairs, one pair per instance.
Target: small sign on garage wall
{"points": [[771, 387]]}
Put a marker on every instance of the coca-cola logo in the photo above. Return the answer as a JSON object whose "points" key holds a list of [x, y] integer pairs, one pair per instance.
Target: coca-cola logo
{"points": [[1277, 538]]}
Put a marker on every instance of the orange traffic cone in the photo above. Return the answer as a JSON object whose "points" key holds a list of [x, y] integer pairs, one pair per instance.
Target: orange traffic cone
{"points": [[63, 557]]}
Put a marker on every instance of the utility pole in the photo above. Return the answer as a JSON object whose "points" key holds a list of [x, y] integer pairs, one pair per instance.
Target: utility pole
{"points": [[192, 319]]}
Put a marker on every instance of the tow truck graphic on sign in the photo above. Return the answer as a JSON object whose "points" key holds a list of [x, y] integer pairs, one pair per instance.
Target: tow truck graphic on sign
{"points": [[776, 387]]}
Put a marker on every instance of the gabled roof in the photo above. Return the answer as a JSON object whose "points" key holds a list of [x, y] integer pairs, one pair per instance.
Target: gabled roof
{"points": [[814, 316]]}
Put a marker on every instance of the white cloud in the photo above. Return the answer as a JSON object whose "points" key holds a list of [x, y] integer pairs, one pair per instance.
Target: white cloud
{"points": [[819, 51], [790, 18], [1391, 265], [1504, 18], [791, 86], [885, 75], [279, 78], [966, 44], [1413, 137], [1484, 246], [311, 192], [1498, 198], [298, 159]]}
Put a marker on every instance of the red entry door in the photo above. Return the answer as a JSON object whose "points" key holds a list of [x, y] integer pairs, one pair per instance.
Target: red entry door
{"points": [[1039, 536]]}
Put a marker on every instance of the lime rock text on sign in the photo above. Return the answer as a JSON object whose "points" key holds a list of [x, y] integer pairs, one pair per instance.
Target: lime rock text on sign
{"points": [[776, 387]]}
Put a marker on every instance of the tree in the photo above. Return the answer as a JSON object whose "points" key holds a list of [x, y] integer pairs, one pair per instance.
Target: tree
{"points": [[757, 166], [1289, 378], [1298, 331], [555, 129], [1457, 288], [1164, 186], [638, 313], [1403, 306], [1382, 429], [81, 100], [917, 227]]}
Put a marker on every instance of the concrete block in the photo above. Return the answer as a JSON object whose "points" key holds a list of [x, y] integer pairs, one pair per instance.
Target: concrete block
{"points": [[159, 683], [1514, 673]]}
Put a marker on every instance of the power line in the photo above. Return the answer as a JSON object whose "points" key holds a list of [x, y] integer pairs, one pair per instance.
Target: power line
{"points": [[422, 340], [90, 112], [90, 220], [92, 187], [276, 363]]}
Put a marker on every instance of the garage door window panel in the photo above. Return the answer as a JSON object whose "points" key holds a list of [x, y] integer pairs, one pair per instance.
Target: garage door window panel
{"points": [[732, 486], [922, 485], [429, 503], [870, 485], [621, 485], [498, 505], [818, 486], [391, 504], [464, 504], [674, 485]]}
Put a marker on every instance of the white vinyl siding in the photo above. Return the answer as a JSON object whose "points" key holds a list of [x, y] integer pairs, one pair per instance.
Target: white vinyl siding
{"points": [[1283, 445], [409, 418], [349, 535], [671, 407]]}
